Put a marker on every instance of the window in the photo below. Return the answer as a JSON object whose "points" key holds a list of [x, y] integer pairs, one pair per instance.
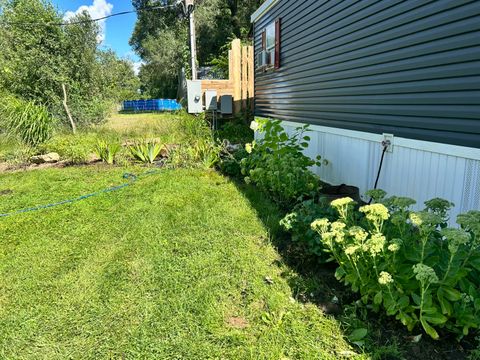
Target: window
{"points": [[270, 37], [269, 57]]}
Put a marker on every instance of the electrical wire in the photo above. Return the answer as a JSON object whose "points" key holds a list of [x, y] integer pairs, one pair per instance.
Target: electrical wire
{"points": [[86, 21], [386, 145]]}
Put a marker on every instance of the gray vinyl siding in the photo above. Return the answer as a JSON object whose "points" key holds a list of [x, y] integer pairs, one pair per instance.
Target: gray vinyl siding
{"points": [[411, 68]]}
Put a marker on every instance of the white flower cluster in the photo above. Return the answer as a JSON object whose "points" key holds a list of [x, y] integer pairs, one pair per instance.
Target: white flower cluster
{"points": [[342, 205], [376, 214], [425, 274], [385, 278], [395, 245], [376, 244]]}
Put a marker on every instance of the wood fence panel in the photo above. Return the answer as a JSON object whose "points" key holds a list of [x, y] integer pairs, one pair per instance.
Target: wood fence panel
{"points": [[240, 84]]}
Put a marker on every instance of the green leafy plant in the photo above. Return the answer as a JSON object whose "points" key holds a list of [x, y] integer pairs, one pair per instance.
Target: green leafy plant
{"points": [[297, 223], [278, 166], [146, 151], [408, 263], [230, 163], [107, 151], [26, 120]]}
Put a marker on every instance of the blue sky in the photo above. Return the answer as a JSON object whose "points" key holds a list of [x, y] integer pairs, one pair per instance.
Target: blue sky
{"points": [[116, 30]]}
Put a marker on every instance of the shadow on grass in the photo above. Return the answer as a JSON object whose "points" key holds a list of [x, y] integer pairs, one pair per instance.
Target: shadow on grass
{"points": [[315, 283]]}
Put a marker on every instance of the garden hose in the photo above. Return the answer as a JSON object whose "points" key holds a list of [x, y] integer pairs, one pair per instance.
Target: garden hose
{"points": [[132, 178]]}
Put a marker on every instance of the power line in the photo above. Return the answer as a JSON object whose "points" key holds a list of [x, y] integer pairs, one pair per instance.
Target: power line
{"points": [[86, 21]]}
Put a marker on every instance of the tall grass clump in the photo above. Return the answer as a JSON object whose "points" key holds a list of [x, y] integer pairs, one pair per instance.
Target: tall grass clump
{"points": [[29, 122]]}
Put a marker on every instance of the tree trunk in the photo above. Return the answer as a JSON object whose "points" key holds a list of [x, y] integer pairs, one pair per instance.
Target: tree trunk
{"points": [[67, 110]]}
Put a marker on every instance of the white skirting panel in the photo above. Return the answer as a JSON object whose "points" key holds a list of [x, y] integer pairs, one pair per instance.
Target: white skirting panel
{"points": [[417, 169]]}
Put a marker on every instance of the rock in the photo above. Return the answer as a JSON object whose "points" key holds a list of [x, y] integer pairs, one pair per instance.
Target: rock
{"points": [[93, 158], [49, 158], [234, 147], [167, 149], [330, 308]]}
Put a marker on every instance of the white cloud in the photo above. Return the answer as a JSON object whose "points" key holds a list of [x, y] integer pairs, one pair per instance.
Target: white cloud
{"points": [[98, 9], [136, 67]]}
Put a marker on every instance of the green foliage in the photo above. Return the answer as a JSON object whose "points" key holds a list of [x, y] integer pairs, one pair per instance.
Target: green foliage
{"points": [[107, 151], [204, 152], [198, 147], [162, 41], [13, 151], [74, 148], [146, 151], [235, 131], [230, 163], [183, 251], [29, 122], [409, 263], [298, 222], [36, 61], [278, 166]]}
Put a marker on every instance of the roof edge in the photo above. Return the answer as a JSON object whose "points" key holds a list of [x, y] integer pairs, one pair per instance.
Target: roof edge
{"points": [[262, 10]]}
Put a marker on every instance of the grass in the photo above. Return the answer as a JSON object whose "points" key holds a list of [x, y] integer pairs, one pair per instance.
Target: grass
{"points": [[172, 267], [179, 265], [165, 128]]}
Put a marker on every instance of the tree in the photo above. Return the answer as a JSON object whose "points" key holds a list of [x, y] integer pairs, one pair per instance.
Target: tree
{"points": [[161, 37], [38, 57]]}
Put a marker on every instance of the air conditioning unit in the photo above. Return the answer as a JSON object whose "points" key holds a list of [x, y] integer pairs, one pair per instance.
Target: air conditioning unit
{"points": [[262, 59]]}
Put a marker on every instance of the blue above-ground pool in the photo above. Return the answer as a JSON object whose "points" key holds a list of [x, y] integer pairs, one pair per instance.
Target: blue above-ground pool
{"points": [[151, 105]]}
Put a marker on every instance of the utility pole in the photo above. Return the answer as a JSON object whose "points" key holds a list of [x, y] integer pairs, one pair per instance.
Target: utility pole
{"points": [[190, 7]]}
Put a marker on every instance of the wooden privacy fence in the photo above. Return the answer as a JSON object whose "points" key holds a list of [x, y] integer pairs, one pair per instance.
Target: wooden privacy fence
{"points": [[240, 83]]}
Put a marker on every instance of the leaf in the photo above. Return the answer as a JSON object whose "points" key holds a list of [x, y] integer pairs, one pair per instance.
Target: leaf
{"points": [[429, 329], [436, 319], [339, 273], [403, 302], [416, 299], [357, 334], [451, 294], [445, 305], [477, 304], [377, 300]]}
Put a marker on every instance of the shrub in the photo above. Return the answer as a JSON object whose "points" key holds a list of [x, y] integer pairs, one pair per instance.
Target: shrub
{"points": [[74, 148], [204, 152], [277, 165], [409, 263], [230, 163], [235, 131], [29, 122], [107, 151], [297, 223], [146, 151]]}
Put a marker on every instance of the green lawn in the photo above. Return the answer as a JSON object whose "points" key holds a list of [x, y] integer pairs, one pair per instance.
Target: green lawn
{"points": [[172, 267]]}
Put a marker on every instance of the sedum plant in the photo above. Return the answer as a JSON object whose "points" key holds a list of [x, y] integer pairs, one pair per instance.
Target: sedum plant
{"points": [[277, 164], [410, 264]]}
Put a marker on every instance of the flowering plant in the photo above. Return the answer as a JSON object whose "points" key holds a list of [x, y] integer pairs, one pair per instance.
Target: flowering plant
{"points": [[411, 264]]}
